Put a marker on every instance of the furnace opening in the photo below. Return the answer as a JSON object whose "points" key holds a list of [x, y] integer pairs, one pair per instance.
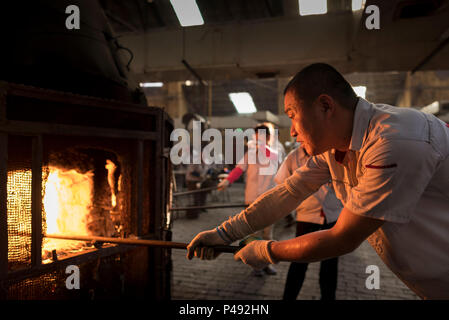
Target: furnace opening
{"points": [[81, 197]]}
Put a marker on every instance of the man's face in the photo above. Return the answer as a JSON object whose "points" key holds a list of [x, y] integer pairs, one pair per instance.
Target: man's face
{"points": [[308, 124], [261, 138]]}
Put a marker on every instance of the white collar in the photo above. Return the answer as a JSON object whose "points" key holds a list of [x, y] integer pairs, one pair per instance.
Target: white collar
{"points": [[362, 116]]}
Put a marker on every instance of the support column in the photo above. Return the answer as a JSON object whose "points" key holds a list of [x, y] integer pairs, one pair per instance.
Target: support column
{"points": [[424, 87], [36, 206], [176, 104]]}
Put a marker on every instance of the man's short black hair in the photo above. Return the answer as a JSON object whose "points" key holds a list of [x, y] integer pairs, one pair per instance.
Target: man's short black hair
{"points": [[321, 78], [264, 128]]}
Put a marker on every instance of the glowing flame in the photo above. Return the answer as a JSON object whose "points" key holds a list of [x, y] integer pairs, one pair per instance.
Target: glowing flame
{"points": [[67, 203], [111, 167], [68, 200]]}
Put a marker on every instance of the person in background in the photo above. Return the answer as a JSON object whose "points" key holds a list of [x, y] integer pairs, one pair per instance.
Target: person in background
{"points": [[195, 176], [256, 183], [274, 142], [290, 219], [320, 211]]}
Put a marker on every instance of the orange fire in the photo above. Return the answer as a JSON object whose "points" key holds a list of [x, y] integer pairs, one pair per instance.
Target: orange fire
{"points": [[67, 203], [111, 167], [67, 209]]}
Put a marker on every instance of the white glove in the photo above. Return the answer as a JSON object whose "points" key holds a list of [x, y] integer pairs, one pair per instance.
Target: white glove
{"points": [[257, 254], [202, 245], [223, 185]]}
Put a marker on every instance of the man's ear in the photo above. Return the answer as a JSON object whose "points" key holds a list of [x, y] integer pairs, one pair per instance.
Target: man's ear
{"points": [[326, 104]]}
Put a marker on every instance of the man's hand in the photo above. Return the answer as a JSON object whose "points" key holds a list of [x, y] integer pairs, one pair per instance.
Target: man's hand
{"points": [[223, 185], [201, 245], [257, 254]]}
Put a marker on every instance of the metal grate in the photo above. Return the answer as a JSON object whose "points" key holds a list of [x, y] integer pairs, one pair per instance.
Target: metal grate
{"points": [[99, 278], [19, 218], [41, 287]]}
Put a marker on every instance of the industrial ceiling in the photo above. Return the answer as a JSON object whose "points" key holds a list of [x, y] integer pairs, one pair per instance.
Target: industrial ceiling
{"points": [[248, 44], [264, 38]]}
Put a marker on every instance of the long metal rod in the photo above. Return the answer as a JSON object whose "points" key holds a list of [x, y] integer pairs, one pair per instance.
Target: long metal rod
{"points": [[139, 242], [193, 72], [184, 193], [426, 59], [218, 206]]}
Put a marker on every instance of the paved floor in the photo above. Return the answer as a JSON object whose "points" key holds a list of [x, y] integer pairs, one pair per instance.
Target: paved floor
{"points": [[226, 279]]}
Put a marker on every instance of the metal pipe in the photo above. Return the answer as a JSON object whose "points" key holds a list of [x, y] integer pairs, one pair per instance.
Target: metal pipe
{"points": [[426, 59], [192, 71], [194, 191], [36, 203], [218, 206], [139, 242]]}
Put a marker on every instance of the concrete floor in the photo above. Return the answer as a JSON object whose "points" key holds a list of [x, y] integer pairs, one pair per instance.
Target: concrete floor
{"points": [[226, 279]]}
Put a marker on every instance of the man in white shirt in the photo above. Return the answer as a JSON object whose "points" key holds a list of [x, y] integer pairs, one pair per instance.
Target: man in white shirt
{"points": [[318, 212], [390, 168]]}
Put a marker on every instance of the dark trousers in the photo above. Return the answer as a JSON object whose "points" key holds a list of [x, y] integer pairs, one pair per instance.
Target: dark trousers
{"points": [[199, 199], [297, 271]]}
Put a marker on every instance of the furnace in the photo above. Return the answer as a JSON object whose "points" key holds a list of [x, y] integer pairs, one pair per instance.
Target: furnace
{"points": [[77, 165]]}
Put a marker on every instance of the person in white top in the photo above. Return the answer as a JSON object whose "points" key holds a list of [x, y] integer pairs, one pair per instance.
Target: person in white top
{"points": [[317, 212], [390, 168], [256, 183]]}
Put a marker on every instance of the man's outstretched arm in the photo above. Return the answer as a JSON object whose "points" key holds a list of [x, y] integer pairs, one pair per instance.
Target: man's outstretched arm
{"points": [[266, 210], [347, 234]]}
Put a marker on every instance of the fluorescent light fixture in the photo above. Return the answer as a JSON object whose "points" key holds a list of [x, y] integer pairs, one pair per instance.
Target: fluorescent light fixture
{"points": [[187, 12], [243, 102], [151, 84], [308, 7], [357, 4], [360, 91]]}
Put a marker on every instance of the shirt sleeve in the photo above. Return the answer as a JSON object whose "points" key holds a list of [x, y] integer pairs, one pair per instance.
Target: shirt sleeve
{"points": [[234, 175], [284, 171], [394, 176], [268, 208], [308, 178], [243, 163]]}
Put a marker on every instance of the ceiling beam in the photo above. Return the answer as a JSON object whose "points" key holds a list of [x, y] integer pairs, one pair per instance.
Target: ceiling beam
{"points": [[282, 46], [116, 19]]}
